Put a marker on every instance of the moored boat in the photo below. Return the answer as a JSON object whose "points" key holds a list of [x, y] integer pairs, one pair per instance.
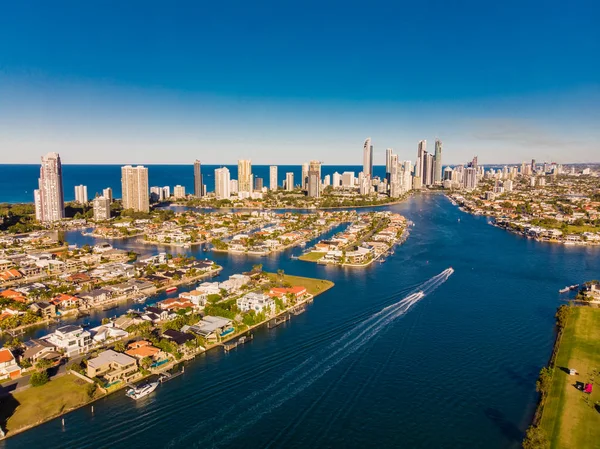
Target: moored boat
{"points": [[141, 391], [171, 289]]}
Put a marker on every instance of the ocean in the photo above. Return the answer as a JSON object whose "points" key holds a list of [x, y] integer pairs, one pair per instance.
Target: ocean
{"points": [[17, 182]]}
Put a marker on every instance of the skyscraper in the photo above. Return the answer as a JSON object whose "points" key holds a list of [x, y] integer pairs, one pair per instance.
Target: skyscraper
{"points": [[179, 191], [81, 194], [336, 180], [273, 177], [134, 187], [394, 167], [314, 179], [428, 170], [437, 171], [421, 150], [108, 194], [258, 184], [245, 175], [305, 176], [198, 186], [289, 181], [49, 198], [222, 186], [101, 208], [368, 158], [388, 164]]}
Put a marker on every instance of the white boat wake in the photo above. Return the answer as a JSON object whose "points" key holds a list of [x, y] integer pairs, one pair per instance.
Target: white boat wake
{"points": [[251, 411]]}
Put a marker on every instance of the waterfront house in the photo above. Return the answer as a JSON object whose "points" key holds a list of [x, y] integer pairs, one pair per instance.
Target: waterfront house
{"points": [[37, 349], [106, 333], [8, 365], [45, 309], [64, 301], [211, 327], [179, 338], [174, 304], [197, 297], [96, 296], [281, 292], [155, 314], [141, 349], [113, 367], [256, 301], [71, 339]]}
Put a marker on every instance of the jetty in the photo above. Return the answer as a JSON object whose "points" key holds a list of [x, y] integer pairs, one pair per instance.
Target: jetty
{"points": [[278, 320], [232, 344]]}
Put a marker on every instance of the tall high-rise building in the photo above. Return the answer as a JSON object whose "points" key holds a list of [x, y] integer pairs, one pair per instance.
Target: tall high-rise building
{"points": [[273, 177], [304, 176], [336, 180], [245, 175], [134, 188], [81, 194], [179, 191], [395, 190], [101, 208], [326, 180], [388, 164], [289, 181], [314, 179], [108, 193], [368, 158], [49, 198], [437, 171], [198, 185], [470, 178], [348, 179], [421, 150], [258, 184], [233, 187], [222, 187]]}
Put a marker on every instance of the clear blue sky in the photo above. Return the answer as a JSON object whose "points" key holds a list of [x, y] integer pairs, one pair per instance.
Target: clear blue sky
{"points": [[283, 82]]}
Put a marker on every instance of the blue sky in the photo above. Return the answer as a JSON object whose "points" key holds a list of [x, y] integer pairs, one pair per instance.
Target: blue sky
{"points": [[283, 82]]}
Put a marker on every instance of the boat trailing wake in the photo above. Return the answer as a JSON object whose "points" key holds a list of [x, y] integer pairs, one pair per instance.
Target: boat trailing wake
{"points": [[305, 374]]}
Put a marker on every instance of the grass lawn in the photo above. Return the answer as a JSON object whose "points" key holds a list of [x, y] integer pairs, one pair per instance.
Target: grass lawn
{"points": [[312, 256], [37, 404], [313, 286], [570, 418]]}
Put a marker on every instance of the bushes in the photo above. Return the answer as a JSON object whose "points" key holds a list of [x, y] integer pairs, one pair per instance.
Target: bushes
{"points": [[535, 438], [38, 379]]}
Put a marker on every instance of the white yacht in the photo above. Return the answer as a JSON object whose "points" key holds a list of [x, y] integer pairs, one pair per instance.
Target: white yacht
{"points": [[141, 390]]}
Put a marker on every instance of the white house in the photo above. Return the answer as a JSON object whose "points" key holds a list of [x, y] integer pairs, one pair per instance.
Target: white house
{"points": [[73, 340], [255, 301]]}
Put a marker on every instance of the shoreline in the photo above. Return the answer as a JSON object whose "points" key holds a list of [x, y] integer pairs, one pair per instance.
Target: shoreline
{"points": [[518, 232], [190, 357]]}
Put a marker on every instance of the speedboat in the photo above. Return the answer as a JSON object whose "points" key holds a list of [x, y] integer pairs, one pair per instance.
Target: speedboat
{"points": [[140, 299], [141, 391]]}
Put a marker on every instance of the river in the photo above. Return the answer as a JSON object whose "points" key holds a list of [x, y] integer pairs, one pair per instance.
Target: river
{"points": [[454, 369]]}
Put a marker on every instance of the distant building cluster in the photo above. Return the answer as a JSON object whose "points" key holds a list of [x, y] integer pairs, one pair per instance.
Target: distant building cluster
{"points": [[401, 176]]}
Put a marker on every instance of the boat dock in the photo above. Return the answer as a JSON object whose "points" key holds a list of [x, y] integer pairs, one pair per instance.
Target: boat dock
{"points": [[298, 310], [278, 320], [232, 344]]}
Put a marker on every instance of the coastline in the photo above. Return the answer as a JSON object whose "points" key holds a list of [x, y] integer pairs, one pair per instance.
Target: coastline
{"points": [[328, 285]]}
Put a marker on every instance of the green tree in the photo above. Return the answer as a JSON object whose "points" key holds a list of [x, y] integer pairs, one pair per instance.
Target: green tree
{"points": [[38, 378], [535, 438], [119, 346], [43, 364], [91, 390]]}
